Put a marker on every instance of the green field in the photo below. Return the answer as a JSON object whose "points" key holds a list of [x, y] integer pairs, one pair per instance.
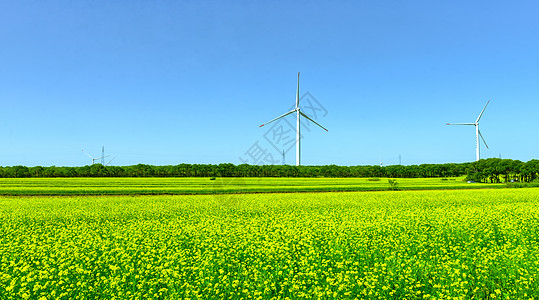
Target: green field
{"points": [[183, 186], [442, 244]]}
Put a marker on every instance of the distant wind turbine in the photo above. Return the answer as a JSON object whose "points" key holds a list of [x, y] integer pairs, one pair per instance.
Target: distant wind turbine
{"points": [[477, 132], [298, 112], [94, 159]]}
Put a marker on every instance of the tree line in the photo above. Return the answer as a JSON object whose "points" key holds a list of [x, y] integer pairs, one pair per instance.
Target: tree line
{"points": [[495, 170], [486, 170]]}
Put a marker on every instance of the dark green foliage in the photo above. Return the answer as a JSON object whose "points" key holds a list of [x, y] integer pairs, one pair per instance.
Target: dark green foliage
{"points": [[492, 170], [495, 170]]}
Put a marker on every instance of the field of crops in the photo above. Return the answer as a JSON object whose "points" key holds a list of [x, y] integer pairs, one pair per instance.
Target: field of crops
{"points": [[182, 186], [467, 244]]}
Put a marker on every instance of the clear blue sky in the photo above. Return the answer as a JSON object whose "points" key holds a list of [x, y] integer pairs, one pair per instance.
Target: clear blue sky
{"points": [[169, 82]]}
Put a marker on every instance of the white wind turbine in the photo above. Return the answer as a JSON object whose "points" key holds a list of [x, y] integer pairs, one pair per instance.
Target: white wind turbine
{"points": [[477, 132], [298, 112], [94, 159]]}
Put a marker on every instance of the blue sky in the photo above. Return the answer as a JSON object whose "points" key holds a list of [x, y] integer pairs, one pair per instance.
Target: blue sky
{"points": [[169, 82]]}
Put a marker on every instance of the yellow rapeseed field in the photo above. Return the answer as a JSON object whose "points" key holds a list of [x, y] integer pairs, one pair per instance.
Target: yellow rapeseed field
{"points": [[460, 244]]}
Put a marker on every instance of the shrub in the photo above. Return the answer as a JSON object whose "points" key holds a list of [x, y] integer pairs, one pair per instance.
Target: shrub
{"points": [[393, 184]]}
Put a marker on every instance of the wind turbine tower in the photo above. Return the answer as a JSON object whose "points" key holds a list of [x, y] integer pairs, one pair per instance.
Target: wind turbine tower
{"points": [[103, 155], [477, 132], [299, 114]]}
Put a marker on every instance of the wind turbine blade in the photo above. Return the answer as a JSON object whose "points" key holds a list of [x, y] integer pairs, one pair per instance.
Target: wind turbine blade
{"points": [[482, 112], [459, 124], [87, 154], [110, 161], [482, 138], [279, 117], [297, 94], [312, 120]]}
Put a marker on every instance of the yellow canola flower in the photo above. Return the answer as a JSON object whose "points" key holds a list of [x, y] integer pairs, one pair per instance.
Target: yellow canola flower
{"points": [[344, 245]]}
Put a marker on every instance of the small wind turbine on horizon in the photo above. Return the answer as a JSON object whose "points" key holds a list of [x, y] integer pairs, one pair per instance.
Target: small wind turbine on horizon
{"points": [[94, 159], [477, 132], [299, 114]]}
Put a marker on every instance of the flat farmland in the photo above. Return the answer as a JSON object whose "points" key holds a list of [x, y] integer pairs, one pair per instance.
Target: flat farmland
{"points": [[182, 186], [436, 244]]}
